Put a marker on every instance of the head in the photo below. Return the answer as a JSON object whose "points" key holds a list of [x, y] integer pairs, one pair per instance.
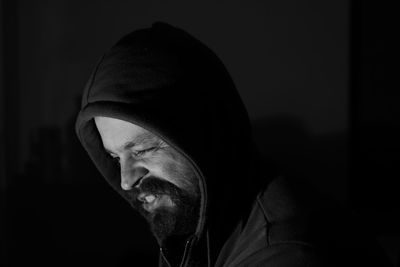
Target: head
{"points": [[160, 182]]}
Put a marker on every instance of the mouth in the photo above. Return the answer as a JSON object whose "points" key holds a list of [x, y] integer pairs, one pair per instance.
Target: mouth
{"points": [[153, 201]]}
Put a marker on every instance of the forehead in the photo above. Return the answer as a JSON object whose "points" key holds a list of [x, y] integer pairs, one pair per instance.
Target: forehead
{"points": [[116, 133]]}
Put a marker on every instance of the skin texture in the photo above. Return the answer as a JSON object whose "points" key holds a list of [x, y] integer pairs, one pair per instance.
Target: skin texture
{"points": [[161, 182]]}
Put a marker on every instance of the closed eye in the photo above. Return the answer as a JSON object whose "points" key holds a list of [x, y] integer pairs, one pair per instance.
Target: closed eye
{"points": [[143, 151]]}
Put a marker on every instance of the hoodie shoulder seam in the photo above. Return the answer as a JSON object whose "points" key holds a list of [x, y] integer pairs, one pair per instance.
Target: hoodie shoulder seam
{"points": [[268, 223]]}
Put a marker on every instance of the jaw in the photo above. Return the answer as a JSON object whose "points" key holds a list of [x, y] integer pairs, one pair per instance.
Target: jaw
{"points": [[177, 221]]}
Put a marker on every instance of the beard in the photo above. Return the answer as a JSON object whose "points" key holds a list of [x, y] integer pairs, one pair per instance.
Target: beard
{"points": [[179, 220]]}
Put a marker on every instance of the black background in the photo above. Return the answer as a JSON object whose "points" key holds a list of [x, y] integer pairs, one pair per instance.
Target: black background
{"points": [[319, 79]]}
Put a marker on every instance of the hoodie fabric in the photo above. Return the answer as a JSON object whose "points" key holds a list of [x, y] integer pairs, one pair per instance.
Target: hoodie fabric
{"points": [[169, 83]]}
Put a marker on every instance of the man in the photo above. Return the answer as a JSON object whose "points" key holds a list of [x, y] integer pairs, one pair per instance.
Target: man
{"points": [[164, 124]]}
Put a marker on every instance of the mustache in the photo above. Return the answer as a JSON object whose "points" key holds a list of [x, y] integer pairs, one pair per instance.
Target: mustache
{"points": [[155, 186]]}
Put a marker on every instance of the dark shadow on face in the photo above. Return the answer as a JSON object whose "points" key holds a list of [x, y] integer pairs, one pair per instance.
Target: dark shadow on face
{"points": [[179, 220]]}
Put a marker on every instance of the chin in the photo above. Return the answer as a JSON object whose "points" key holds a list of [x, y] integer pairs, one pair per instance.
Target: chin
{"points": [[163, 224], [180, 221]]}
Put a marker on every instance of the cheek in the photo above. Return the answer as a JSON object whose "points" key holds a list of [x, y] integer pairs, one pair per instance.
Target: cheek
{"points": [[170, 166]]}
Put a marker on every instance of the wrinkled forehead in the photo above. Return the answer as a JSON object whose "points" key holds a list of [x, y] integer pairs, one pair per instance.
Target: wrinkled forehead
{"points": [[116, 133]]}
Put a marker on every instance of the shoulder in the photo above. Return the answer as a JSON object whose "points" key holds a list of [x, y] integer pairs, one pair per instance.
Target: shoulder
{"points": [[304, 228], [285, 254]]}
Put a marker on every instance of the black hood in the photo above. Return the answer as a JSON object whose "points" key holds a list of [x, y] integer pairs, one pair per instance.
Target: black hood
{"points": [[169, 83]]}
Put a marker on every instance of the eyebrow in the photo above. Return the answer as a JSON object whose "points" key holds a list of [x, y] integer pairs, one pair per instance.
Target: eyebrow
{"points": [[142, 138]]}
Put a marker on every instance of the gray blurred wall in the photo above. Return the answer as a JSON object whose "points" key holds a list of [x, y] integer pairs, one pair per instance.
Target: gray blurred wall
{"points": [[289, 59]]}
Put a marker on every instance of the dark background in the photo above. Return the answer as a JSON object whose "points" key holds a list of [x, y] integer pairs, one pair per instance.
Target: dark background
{"points": [[317, 77]]}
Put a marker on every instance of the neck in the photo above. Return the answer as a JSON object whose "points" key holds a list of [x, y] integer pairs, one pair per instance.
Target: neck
{"points": [[173, 249]]}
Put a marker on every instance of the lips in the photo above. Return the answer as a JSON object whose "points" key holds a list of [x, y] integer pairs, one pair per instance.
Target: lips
{"points": [[146, 197], [152, 201], [149, 198], [149, 201]]}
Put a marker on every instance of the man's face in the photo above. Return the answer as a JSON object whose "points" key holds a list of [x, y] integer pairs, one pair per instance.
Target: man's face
{"points": [[161, 183]]}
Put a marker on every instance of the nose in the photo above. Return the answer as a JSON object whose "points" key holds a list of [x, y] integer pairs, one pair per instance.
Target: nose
{"points": [[131, 173]]}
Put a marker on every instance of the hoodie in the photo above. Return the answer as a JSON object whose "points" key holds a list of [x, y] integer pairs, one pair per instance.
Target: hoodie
{"points": [[166, 81]]}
